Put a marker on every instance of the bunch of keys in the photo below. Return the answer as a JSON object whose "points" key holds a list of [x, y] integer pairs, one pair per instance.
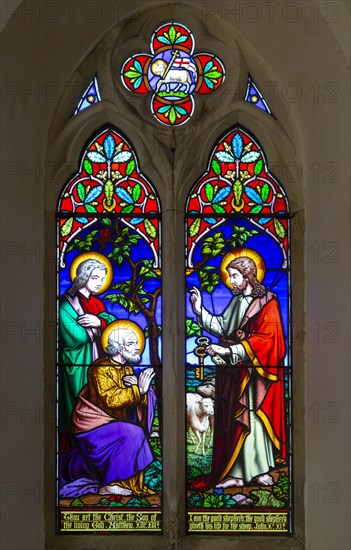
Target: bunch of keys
{"points": [[200, 351]]}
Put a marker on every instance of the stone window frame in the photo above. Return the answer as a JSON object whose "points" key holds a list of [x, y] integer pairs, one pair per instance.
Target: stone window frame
{"points": [[172, 160]]}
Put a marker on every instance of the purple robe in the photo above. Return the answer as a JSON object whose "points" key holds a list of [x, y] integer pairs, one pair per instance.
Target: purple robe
{"points": [[115, 450]]}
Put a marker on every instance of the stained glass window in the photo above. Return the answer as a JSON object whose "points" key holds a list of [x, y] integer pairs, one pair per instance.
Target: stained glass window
{"points": [[172, 73], [109, 455], [90, 96], [238, 360], [254, 96]]}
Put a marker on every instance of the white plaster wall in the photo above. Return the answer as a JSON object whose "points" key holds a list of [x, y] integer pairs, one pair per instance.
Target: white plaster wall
{"points": [[298, 52]]}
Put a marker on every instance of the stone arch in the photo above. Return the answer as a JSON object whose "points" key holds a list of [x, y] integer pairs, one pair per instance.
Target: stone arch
{"points": [[56, 52]]}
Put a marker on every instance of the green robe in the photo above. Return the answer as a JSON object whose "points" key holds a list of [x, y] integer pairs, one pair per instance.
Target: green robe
{"points": [[76, 355]]}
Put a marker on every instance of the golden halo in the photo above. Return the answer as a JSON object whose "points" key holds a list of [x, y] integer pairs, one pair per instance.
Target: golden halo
{"points": [[261, 268], [123, 324], [92, 256]]}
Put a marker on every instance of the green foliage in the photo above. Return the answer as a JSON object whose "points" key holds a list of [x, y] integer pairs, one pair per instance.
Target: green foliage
{"points": [[153, 476], [109, 190], [84, 245], [197, 463], [229, 501], [213, 74], [123, 244], [156, 447], [258, 167], [237, 191], [217, 499], [138, 502], [136, 192], [77, 503], [212, 500], [195, 227], [193, 471], [172, 34], [264, 498], [172, 116], [88, 167], [196, 499], [213, 246], [256, 209], [174, 94], [209, 191], [130, 168], [240, 235], [81, 190], [115, 504], [281, 488], [150, 229], [127, 303], [67, 227], [264, 191], [156, 421], [209, 278], [147, 270], [192, 328], [218, 208], [123, 287], [279, 228], [216, 167]]}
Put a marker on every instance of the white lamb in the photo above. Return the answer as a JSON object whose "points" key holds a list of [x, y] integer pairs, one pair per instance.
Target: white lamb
{"points": [[199, 410], [173, 76]]}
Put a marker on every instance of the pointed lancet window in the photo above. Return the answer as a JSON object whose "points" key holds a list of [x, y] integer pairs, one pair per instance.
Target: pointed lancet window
{"points": [[238, 356], [109, 348]]}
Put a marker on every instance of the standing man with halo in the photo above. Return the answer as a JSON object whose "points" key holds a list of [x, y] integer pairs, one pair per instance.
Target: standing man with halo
{"points": [[249, 437], [82, 318]]}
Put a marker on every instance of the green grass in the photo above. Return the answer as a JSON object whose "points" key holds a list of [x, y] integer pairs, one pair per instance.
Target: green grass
{"points": [[204, 463]]}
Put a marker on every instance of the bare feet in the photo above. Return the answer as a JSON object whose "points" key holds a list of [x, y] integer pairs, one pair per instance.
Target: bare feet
{"points": [[230, 482], [114, 490], [264, 479]]}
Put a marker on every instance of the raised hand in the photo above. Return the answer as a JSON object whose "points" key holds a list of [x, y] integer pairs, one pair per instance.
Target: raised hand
{"points": [[196, 300], [144, 380]]}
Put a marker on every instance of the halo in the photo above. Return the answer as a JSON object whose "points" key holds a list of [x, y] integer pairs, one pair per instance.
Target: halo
{"points": [[261, 268], [125, 324], [156, 63], [92, 256]]}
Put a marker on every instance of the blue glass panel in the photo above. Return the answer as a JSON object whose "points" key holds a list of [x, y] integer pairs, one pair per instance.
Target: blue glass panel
{"points": [[90, 97], [254, 96]]}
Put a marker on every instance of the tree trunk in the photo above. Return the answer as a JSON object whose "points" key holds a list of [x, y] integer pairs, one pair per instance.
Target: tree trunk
{"points": [[154, 356]]}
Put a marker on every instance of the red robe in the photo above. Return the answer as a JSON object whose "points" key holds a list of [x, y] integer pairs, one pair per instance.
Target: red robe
{"points": [[261, 333]]}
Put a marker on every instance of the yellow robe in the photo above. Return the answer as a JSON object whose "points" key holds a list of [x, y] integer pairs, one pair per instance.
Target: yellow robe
{"points": [[107, 391]]}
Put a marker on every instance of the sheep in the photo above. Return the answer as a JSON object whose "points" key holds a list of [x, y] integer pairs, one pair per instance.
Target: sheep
{"points": [[207, 389], [180, 76], [199, 410]]}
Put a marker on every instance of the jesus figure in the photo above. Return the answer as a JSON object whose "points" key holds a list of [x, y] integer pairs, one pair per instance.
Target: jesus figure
{"points": [[249, 406]]}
